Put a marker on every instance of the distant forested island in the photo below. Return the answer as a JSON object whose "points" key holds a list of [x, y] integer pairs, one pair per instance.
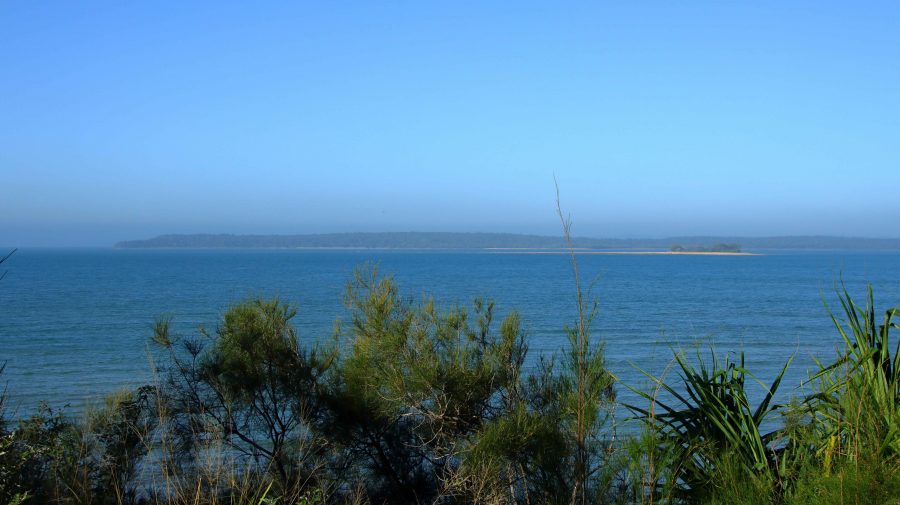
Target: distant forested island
{"points": [[445, 240]]}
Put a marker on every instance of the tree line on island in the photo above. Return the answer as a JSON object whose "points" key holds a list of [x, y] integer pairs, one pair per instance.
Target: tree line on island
{"points": [[717, 248]]}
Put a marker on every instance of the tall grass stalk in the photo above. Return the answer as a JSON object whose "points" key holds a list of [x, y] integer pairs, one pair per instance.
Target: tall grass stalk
{"points": [[593, 391]]}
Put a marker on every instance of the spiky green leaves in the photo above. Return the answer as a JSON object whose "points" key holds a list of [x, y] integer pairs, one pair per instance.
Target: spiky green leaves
{"points": [[712, 417]]}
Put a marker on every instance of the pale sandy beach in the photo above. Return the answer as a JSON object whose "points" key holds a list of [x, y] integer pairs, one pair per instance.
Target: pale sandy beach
{"points": [[638, 253]]}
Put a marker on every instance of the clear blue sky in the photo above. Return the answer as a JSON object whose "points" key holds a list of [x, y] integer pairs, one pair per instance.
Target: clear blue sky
{"points": [[124, 120]]}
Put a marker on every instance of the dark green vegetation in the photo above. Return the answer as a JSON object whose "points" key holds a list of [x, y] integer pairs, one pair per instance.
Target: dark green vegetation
{"points": [[434, 240], [410, 403], [718, 248], [3, 259]]}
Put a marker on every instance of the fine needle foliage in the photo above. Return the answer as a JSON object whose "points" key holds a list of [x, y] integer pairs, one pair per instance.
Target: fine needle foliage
{"points": [[416, 388], [252, 386], [586, 391]]}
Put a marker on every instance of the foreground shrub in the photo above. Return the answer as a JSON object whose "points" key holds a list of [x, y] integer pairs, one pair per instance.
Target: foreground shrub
{"points": [[52, 458], [853, 421], [252, 388], [839, 443], [416, 385], [13, 456], [711, 434], [863, 481], [433, 404], [857, 411]]}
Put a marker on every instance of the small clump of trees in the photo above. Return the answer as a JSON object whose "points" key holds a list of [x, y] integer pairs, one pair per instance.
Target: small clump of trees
{"points": [[717, 248]]}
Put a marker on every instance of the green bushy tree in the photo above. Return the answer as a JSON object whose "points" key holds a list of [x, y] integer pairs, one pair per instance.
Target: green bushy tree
{"points": [[417, 385], [250, 386]]}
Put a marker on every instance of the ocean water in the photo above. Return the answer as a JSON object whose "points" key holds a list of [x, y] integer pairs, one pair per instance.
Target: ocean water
{"points": [[74, 324]]}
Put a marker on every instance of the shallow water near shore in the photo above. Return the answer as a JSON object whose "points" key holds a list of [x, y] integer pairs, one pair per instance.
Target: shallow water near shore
{"points": [[75, 324]]}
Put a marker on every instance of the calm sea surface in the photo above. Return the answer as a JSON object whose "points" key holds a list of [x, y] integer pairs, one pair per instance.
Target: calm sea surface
{"points": [[74, 324]]}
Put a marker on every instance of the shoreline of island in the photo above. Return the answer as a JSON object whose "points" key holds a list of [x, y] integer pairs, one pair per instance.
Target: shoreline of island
{"points": [[635, 253]]}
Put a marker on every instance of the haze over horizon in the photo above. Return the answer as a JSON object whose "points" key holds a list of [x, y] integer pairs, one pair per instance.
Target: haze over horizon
{"points": [[126, 121]]}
